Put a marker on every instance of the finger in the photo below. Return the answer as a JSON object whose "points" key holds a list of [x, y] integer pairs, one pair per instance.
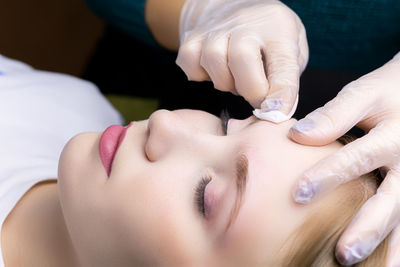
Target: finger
{"points": [[377, 148], [214, 59], [397, 56], [393, 257], [324, 125], [376, 219], [246, 65], [189, 60], [303, 49], [283, 72]]}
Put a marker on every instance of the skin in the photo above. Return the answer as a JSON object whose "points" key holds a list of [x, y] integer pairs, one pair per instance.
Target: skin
{"points": [[144, 213], [162, 18]]}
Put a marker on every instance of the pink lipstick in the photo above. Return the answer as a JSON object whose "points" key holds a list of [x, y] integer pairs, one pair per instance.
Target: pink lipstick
{"points": [[109, 143]]}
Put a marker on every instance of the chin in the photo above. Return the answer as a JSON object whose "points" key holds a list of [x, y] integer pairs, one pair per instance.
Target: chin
{"points": [[79, 162]]}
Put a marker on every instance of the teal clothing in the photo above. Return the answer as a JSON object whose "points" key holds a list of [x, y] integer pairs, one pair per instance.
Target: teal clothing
{"points": [[126, 15], [350, 35]]}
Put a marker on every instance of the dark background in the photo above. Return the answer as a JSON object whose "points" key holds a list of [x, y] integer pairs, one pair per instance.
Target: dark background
{"points": [[51, 35], [64, 36]]}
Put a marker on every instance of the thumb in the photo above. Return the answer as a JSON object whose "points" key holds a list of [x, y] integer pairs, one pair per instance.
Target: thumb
{"points": [[324, 125], [283, 73]]}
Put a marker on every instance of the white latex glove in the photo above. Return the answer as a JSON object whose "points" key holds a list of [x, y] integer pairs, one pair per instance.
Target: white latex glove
{"points": [[254, 48], [373, 103]]}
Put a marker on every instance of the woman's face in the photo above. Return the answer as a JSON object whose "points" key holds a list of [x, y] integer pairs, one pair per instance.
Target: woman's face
{"points": [[182, 193]]}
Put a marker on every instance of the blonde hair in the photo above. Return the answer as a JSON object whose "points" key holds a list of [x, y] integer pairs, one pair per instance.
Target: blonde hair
{"points": [[313, 243]]}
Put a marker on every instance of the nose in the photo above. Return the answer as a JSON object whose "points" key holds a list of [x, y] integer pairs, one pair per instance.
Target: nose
{"points": [[235, 126], [166, 132]]}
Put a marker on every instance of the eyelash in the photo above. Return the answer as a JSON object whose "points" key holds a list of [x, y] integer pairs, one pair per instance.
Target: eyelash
{"points": [[199, 194], [201, 187], [224, 117]]}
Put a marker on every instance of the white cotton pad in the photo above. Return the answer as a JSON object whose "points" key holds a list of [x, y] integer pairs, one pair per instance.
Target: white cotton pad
{"points": [[275, 115]]}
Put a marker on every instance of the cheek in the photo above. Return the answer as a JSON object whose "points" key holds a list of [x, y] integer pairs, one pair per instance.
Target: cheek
{"points": [[80, 175], [154, 212], [80, 168]]}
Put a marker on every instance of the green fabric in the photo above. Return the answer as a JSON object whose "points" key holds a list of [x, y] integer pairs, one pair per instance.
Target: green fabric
{"points": [[133, 108], [126, 15], [351, 35]]}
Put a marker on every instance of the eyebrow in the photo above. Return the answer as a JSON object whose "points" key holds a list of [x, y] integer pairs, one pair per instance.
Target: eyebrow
{"points": [[242, 164]]}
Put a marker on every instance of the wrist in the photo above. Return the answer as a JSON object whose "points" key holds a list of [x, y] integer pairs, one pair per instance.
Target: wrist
{"points": [[162, 18]]}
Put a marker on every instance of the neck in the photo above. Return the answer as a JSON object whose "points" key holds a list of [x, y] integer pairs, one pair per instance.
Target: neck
{"points": [[34, 233]]}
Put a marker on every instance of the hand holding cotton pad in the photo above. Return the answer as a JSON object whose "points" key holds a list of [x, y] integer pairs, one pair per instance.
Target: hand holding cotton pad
{"points": [[274, 115]]}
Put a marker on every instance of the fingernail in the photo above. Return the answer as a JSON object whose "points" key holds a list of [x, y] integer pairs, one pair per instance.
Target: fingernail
{"points": [[271, 104], [304, 192], [355, 253], [303, 125]]}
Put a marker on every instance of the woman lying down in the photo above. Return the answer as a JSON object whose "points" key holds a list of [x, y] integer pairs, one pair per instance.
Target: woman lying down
{"points": [[183, 188]]}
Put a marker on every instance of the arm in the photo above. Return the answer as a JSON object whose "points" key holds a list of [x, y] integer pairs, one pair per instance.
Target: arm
{"points": [[233, 43], [162, 18]]}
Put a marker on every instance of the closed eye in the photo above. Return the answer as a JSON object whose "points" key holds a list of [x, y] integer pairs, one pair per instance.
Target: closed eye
{"points": [[199, 195], [224, 117]]}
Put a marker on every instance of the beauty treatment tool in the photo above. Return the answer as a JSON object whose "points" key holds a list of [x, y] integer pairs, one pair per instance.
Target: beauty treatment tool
{"points": [[275, 115]]}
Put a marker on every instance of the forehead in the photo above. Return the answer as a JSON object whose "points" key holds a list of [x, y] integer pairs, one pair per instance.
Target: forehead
{"points": [[269, 214]]}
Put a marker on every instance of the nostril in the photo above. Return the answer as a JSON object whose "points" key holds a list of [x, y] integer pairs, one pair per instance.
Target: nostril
{"points": [[159, 140], [148, 154], [149, 147], [166, 131]]}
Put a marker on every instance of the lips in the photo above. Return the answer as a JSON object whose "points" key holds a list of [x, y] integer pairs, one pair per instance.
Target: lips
{"points": [[109, 143]]}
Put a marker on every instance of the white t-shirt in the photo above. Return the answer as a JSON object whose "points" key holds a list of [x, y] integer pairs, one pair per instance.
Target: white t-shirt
{"points": [[39, 112]]}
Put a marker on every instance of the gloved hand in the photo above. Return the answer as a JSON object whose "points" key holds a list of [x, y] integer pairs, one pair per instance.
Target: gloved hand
{"points": [[254, 48], [373, 103]]}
